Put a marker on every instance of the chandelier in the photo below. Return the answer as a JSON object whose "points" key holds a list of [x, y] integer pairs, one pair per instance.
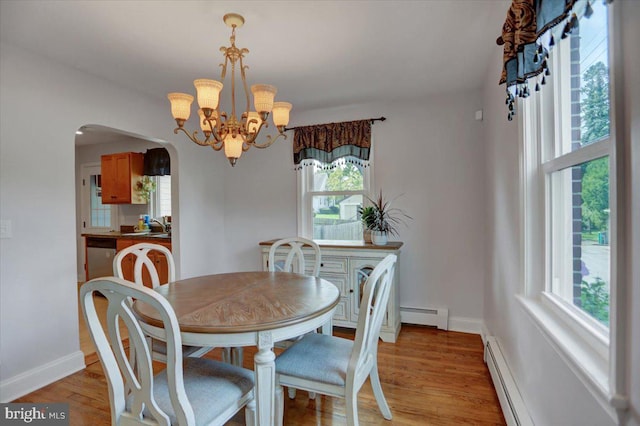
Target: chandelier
{"points": [[221, 130]]}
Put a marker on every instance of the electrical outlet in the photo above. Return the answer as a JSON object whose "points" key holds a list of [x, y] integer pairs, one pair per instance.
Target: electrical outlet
{"points": [[5, 229]]}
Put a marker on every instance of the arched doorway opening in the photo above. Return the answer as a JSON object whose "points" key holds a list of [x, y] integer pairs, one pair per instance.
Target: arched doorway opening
{"points": [[96, 218]]}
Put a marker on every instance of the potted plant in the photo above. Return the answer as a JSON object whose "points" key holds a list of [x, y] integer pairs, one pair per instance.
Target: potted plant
{"points": [[382, 219], [145, 187], [367, 216]]}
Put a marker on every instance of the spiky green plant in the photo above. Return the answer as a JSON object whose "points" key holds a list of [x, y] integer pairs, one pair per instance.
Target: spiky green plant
{"points": [[382, 217]]}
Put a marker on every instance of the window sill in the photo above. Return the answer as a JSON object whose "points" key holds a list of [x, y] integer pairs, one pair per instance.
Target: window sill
{"points": [[582, 358]]}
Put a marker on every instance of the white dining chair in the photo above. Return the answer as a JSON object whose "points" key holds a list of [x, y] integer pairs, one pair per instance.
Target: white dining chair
{"points": [[339, 367], [189, 391], [142, 264], [294, 260]]}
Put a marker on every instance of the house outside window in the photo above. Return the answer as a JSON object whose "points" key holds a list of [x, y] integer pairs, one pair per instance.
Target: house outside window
{"points": [[330, 196]]}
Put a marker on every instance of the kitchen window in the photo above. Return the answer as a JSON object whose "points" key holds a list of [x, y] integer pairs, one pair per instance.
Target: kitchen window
{"points": [[160, 202]]}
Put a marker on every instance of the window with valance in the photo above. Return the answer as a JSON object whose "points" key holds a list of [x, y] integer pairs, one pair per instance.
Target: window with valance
{"points": [[574, 240], [333, 161]]}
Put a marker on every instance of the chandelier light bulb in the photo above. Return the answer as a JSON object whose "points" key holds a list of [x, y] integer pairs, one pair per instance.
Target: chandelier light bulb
{"points": [[233, 147], [180, 105], [263, 96], [281, 113], [208, 92]]}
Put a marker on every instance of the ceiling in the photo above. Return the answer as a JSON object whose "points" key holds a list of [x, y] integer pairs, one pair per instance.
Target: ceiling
{"points": [[318, 53]]}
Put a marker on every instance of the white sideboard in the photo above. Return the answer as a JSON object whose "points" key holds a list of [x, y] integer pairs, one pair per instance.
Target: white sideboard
{"points": [[348, 266]]}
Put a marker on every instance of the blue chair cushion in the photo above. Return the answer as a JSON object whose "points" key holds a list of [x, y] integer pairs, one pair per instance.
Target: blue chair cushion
{"points": [[211, 387], [317, 357]]}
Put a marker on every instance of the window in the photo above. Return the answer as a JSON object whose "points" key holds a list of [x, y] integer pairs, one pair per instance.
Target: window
{"points": [[576, 164], [160, 203], [570, 204], [100, 213], [96, 217], [330, 196]]}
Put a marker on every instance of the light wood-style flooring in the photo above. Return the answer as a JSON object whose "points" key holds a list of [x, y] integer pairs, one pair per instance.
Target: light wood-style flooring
{"points": [[429, 377]]}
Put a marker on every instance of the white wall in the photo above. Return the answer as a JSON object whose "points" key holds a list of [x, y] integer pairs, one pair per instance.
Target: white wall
{"points": [[552, 392], [43, 103], [431, 152]]}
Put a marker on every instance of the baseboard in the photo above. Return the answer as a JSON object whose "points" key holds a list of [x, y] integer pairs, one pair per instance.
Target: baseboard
{"points": [[466, 325], [41, 376], [437, 317], [513, 407]]}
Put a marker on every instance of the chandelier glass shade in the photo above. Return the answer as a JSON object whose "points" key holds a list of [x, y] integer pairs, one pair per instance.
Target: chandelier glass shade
{"points": [[235, 133]]}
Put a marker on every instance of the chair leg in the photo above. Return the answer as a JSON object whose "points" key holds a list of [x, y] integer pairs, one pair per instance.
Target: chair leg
{"points": [[250, 413], [351, 402], [279, 414], [226, 355], [237, 356], [377, 392]]}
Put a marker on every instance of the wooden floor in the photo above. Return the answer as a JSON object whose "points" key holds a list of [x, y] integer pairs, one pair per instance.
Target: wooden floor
{"points": [[429, 377]]}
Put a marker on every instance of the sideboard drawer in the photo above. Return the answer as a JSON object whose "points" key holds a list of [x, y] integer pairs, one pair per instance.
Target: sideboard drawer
{"points": [[331, 265]]}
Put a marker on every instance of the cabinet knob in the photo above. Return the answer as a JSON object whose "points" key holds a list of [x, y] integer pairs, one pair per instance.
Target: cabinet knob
{"points": [[322, 265], [351, 290], [113, 196]]}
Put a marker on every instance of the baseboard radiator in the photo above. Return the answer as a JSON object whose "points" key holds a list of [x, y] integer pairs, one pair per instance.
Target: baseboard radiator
{"points": [[513, 408], [434, 317]]}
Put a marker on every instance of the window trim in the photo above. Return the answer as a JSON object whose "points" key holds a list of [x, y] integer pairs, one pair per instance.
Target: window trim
{"points": [[601, 367]]}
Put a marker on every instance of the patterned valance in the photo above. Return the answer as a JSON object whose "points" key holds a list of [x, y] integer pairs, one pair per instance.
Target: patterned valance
{"points": [[326, 143], [532, 27]]}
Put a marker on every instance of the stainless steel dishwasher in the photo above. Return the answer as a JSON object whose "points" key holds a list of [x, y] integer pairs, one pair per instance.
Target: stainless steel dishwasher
{"points": [[100, 253]]}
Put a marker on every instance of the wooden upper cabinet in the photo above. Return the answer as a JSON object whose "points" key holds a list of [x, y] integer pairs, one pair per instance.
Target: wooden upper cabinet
{"points": [[120, 176]]}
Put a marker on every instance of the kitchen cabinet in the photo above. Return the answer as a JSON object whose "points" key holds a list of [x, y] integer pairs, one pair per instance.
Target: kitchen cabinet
{"points": [[120, 176], [348, 267], [158, 259]]}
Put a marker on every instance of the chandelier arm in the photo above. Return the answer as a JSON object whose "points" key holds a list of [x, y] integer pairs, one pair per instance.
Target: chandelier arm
{"points": [[215, 129], [251, 138], [194, 137], [217, 146], [270, 141]]}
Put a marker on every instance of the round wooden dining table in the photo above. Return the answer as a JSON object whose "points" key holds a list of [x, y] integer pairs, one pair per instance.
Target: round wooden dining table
{"points": [[247, 309]]}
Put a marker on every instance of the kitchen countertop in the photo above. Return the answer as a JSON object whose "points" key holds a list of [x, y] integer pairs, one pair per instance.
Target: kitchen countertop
{"points": [[156, 236]]}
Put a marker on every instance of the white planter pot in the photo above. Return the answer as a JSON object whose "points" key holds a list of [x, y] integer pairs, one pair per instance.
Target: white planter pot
{"points": [[379, 238]]}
